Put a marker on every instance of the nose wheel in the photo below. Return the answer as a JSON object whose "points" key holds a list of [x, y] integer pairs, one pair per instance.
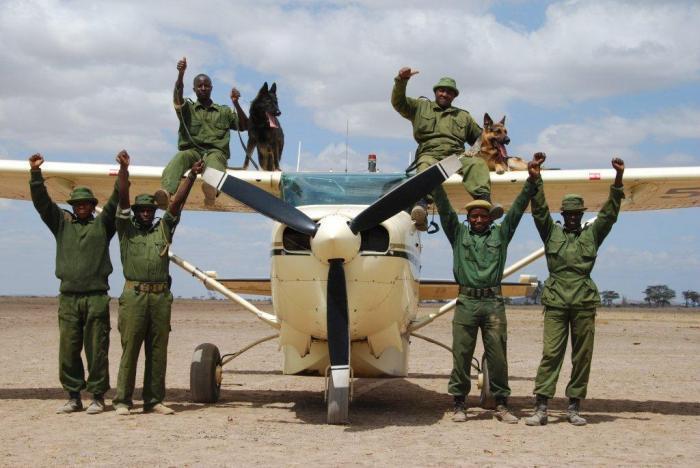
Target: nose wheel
{"points": [[486, 399]]}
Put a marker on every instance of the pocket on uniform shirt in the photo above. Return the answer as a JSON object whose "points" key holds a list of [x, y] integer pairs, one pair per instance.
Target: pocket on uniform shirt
{"points": [[459, 126], [425, 123], [554, 246]]}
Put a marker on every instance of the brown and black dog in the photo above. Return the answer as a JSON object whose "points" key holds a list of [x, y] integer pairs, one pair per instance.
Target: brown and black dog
{"points": [[491, 147], [264, 130]]}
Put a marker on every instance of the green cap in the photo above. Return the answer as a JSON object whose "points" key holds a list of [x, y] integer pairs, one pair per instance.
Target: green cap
{"points": [[478, 204], [572, 202], [447, 82], [145, 200], [80, 194]]}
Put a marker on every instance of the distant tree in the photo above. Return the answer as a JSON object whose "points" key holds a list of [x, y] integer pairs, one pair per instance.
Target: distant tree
{"points": [[691, 298], [607, 297], [659, 295]]}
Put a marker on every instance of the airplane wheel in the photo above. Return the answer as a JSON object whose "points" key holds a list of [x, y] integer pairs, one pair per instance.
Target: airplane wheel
{"points": [[205, 374], [486, 399], [338, 402]]}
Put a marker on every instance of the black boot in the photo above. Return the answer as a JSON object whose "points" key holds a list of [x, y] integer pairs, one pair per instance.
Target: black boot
{"points": [[539, 418], [459, 412], [572, 412], [503, 413]]}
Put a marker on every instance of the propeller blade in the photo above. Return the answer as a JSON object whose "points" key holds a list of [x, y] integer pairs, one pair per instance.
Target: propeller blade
{"points": [[337, 314], [338, 343], [406, 194], [260, 201]]}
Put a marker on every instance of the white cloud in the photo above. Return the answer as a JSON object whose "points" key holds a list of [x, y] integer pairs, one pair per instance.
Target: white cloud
{"points": [[595, 141]]}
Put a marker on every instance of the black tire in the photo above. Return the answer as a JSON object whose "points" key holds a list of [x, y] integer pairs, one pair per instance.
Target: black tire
{"points": [[205, 374], [486, 399]]}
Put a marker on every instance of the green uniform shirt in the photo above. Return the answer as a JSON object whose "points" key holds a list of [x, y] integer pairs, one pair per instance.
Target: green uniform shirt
{"points": [[208, 126], [478, 259], [82, 248], [144, 250], [438, 131], [571, 255]]}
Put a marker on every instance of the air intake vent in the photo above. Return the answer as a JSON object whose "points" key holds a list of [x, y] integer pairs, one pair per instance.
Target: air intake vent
{"points": [[295, 241], [375, 239]]}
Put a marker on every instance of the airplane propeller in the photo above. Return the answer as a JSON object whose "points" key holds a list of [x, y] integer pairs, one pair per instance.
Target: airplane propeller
{"points": [[336, 241]]}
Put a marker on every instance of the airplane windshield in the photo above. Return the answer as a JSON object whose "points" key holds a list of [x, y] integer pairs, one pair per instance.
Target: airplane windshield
{"points": [[300, 189]]}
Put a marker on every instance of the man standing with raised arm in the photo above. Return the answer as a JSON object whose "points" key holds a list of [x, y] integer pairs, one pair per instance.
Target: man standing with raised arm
{"points": [[570, 296], [145, 303], [83, 266], [479, 251]]}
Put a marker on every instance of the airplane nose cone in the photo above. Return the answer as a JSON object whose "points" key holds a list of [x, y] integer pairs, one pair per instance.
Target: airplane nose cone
{"points": [[334, 239]]}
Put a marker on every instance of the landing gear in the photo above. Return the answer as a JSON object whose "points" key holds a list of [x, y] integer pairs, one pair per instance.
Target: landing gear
{"points": [[205, 374], [338, 395], [486, 399]]}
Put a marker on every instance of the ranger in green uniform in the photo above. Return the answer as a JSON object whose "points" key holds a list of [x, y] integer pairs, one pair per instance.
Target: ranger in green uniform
{"points": [[570, 296], [440, 131], [479, 254], [204, 134], [83, 266], [144, 306]]}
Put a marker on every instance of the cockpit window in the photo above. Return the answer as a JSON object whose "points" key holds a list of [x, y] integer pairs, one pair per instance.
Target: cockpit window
{"points": [[308, 188]]}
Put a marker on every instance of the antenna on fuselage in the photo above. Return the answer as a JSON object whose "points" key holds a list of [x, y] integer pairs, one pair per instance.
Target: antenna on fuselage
{"points": [[347, 132], [298, 155]]}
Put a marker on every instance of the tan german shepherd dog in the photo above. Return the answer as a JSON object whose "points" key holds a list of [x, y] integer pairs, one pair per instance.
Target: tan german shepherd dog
{"points": [[491, 147]]}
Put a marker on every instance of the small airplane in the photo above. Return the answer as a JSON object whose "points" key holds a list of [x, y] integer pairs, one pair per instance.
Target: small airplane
{"points": [[345, 256]]}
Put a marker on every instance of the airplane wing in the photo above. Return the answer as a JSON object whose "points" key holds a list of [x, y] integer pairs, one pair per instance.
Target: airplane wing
{"points": [[62, 177], [430, 290], [645, 188]]}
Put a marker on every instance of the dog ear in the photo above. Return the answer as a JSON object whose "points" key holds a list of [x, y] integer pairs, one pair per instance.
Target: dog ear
{"points": [[503, 120], [273, 88], [264, 88], [488, 121]]}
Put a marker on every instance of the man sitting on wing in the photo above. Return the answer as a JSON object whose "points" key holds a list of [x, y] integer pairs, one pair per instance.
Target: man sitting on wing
{"points": [[479, 255], [204, 134], [441, 131]]}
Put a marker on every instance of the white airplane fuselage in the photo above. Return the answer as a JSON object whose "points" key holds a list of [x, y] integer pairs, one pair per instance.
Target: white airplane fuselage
{"points": [[382, 267]]}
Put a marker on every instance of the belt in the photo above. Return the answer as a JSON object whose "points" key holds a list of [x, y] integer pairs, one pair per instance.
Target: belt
{"points": [[141, 287], [478, 293]]}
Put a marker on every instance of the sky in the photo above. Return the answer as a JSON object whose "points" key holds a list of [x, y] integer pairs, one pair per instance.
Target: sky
{"points": [[582, 81]]}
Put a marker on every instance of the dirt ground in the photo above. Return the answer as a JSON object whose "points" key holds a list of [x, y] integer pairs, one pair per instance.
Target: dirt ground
{"points": [[643, 406]]}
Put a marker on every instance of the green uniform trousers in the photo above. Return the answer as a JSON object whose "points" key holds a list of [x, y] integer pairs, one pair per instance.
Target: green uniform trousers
{"points": [[183, 160], [476, 177], [557, 323], [83, 320], [489, 315], [143, 318]]}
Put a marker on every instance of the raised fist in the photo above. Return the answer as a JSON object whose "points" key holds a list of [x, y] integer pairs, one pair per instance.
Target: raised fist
{"points": [[36, 160]]}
